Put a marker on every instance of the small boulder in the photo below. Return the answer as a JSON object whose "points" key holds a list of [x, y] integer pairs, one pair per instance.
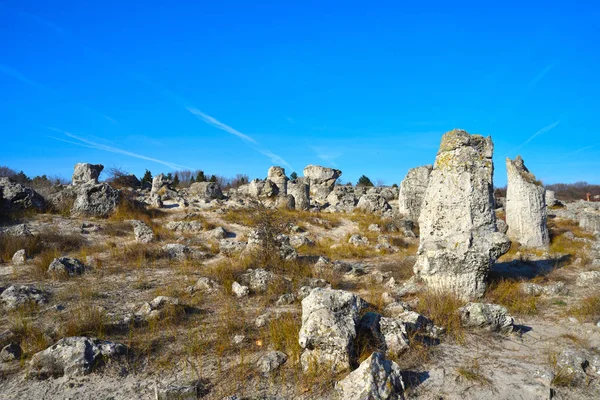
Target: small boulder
{"points": [[239, 290], [17, 295], [66, 266], [86, 173], [491, 317], [271, 361], [257, 280], [358, 240], [11, 352], [143, 233], [20, 257]]}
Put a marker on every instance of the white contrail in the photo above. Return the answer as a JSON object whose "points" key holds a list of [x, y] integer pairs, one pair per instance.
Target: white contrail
{"points": [[543, 130], [253, 143], [219, 125], [88, 143], [540, 76], [580, 150]]}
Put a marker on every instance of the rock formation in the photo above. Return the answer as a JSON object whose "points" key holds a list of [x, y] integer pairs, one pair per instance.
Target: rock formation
{"points": [[526, 214], [206, 190], [299, 188], [277, 176], [329, 319], [412, 191], [86, 173], [16, 197], [95, 200], [459, 241], [321, 181]]}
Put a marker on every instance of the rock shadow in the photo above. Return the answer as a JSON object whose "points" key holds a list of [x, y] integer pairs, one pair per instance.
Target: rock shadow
{"points": [[522, 269]]}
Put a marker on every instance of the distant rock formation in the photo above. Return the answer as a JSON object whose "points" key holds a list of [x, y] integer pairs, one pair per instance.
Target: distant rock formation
{"points": [[86, 173], [321, 181], [412, 191], [277, 176], [459, 241], [526, 214]]}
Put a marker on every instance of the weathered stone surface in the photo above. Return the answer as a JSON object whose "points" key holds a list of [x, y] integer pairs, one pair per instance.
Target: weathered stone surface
{"points": [[143, 233], [190, 391], [554, 289], [271, 361], [230, 247], [86, 173], [550, 198], [18, 295], [157, 308], [321, 181], [95, 200], [376, 378], [20, 230], [16, 197], [491, 317], [342, 198], [328, 329], [373, 203], [459, 241], [66, 266], [590, 221], [239, 290], [277, 176], [206, 190], [588, 278], [20, 257], [74, 356], [178, 251], [300, 189], [11, 352], [412, 191], [259, 189], [526, 214], [358, 240], [185, 226], [258, 280]]}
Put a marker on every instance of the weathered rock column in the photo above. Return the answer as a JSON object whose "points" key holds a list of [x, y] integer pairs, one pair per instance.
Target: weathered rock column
{"points": [[277, 176], [321, 181], [459, 241], [86, 173], [526, 214], [299, 188], [412, 191]]}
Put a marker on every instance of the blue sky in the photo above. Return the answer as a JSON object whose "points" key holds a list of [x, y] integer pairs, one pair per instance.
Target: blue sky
{"points": [[236, 86]]}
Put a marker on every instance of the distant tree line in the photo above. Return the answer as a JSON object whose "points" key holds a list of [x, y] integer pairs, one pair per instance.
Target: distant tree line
{"points": [[37, 182], [573, 191]]}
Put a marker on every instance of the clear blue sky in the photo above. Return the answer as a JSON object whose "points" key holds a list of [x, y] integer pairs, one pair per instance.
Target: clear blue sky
{"points": [[237, 86]]}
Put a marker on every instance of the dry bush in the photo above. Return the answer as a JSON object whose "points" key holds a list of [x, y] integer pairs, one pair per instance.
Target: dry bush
{"points": [[587, 309], [9, 245], [441, 307], [508, 292]]}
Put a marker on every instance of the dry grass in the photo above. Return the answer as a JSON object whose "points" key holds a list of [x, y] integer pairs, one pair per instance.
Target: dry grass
{"points": [[329, 248], [472, 373], [507, 292], [441, 308], [587, 309], [283, 336], [22, 323], [84, 319], [561, 244], [130, 208], [563, 376], [9, 245]]}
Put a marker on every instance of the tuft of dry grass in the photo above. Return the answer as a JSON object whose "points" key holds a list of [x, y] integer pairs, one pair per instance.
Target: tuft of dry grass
{"points": [[28, 333], [283, 335], [130, 208], [587, 309], [507, 292], [472, 373], [9, 245], [84, 320], [441, 307]]}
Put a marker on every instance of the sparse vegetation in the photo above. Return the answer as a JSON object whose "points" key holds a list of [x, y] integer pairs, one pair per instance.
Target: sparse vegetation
{"points": [[508, 292], [441, 308]]}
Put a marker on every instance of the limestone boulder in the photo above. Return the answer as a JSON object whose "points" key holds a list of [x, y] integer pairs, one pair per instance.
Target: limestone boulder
{"points": [[491, 317], [374, 203], [86, 173], [66, 266], [328, 331], [459, 241], [94, 200], [321, 181], [526, 214], [16, 197], [18, 295], [412, 191], [278, 177], [299, 189], [207, 191]]}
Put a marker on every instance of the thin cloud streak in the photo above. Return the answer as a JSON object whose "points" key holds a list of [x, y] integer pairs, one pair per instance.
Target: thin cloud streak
{"points": [[219, 125], [540, 76], [88, 143], [541, 131], [18, 76]]}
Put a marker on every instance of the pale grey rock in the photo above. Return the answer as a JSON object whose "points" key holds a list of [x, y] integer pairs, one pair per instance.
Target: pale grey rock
{"points": [[86, 173], [181, 252], [277, 176], [18, 295], [218, 233], [550, 198], [395, 334], [20, 257], [321, 181], [143, 233], [297, 241], [20, 230], [412, 191], [287, 202], [554, 289], [239, 290], [257, 280], [157, 308], [459, 241], [11, 352], [206, 284], [155, 200], [238, 339], [590, 221], [491, 317], [526, 214], [375, 379], [388, 194], [185, 226], [16, 197], [342, 198], [299, 188], [574, 362], [74, 356], [588, 278], [374, 203], [230, 247], [67, 266], [258, 189], [191, 391], [160, 184], [207, 191], [358, 240], [270, 362], [95, 200], [328, 329], [501, 226], [374, 228]]}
